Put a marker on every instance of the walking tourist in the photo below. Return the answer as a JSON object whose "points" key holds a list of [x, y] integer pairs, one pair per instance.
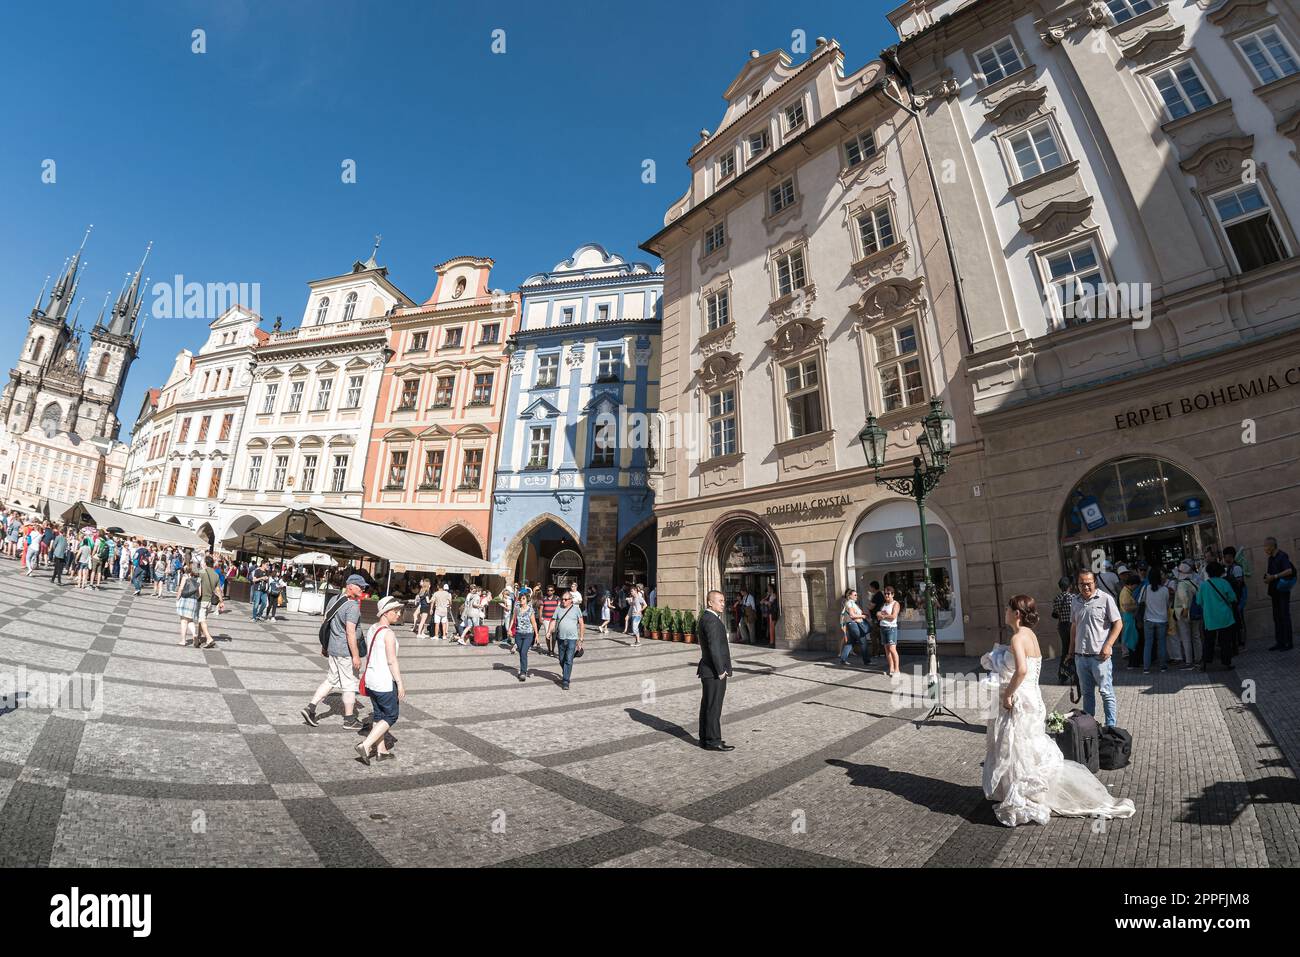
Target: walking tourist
{"points": [[211, 597], [59, 555], [635, 609], [383, 680], [441, 611], [549, 604], [344, 618], [1184, 601], [1095, 626], [1280, 577], [1061, 612], [1155, 626], [1219, 616], [188, 592], [258, 579], [84, 551], [524, 628], [606, 609], [423, 604], [713, 670], [569, 631], [854, 627]]}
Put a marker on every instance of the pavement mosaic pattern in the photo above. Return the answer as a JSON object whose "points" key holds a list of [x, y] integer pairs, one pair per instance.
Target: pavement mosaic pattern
{"points": [[199, 758]]}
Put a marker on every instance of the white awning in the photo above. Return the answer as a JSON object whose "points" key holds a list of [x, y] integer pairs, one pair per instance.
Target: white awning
{"points": [[136, 526], [335, 534]]}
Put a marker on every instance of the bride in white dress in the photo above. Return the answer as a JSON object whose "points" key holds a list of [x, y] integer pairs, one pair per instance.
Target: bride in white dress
{"points": [[1024, 770]]}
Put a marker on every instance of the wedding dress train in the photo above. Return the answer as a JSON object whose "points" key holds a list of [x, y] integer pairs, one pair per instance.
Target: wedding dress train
{"points": [[1024, 770]]}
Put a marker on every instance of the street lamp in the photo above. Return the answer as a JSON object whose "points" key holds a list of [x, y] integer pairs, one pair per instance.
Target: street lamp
{"points": [[935, 445]]}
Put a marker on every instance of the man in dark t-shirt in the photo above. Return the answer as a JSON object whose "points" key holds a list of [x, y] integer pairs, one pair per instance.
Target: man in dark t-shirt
{"points": [[1279, 568]]}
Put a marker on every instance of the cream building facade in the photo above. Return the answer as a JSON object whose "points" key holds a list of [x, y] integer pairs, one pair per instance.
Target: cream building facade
{"points": [[1123, 195], [806, 281]]}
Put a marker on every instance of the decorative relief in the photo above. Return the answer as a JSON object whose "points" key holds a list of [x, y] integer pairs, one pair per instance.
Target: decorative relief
{"points": [[641, 353], [1238, 15], [945, 89], [891, 299], [807, 457], [566, 500], [1153, 41], [1290, 128], [1016, 102], [1282, 96], [854, 176], [1191, 132], [795, 304], [1095, 15], [795, 336], [720, 475], [719, 369], [517, 363], [1219, 163], [1059, 194], [719, 340], [501, 502], [880, 265], [575, 357]]}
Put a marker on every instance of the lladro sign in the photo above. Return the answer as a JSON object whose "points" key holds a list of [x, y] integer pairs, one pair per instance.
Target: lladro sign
{"points": [[1209, 399]]}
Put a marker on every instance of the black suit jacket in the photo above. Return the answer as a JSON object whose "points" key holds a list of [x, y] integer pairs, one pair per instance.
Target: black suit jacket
{"points": [[715, 658]]}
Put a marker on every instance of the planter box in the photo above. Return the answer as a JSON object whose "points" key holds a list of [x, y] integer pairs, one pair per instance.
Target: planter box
{"points": [[238, 591]]}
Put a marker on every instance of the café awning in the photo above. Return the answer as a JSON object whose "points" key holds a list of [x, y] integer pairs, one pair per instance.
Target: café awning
{"points": [[135, 526], [336, 534]]}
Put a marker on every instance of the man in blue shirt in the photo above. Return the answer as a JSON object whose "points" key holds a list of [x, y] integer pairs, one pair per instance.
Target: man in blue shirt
{"points": [[1280, 572]]}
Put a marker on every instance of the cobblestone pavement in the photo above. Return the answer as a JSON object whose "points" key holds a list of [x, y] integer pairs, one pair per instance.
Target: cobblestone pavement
{"points": [[200, 758]]}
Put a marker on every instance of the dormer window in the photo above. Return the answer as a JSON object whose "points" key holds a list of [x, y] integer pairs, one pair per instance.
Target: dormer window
{"points": [[755, 96], [602, 312], [726, 164], [322, 310], [794, 116], [349, 306], [758, 143], [566, 316]]}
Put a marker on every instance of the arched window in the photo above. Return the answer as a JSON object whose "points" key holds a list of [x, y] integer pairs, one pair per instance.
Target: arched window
{"points": [[322, 310], [37, 348], [349, 306], [103, 365], [51, 418]]}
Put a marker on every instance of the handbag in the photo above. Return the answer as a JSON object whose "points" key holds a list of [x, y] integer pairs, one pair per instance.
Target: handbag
{"points": [[1067, 673], [1285, 584]]}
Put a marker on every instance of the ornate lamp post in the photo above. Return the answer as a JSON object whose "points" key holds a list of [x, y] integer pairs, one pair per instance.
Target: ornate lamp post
{"points": [[935, 445]]}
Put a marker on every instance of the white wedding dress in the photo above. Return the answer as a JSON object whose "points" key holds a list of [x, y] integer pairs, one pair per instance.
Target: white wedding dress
{"points": [[1024, 770]]}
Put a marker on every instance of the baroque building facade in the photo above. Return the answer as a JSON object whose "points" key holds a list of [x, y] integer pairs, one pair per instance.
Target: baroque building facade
{"points": [[432, 450], [59, 407], [573, 499], [1123, 196], [806, 282]]}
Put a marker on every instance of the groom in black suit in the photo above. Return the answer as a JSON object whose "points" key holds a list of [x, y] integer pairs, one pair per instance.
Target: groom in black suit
{"points": [[715, 666]]}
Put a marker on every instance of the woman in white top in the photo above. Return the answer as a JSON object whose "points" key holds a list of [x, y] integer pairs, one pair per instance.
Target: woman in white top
{"points": [[888, 618], [381, 679], [1156, 620], [606, 608]]}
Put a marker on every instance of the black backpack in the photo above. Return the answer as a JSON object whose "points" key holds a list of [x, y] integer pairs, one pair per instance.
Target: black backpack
{"points": [[324, 633], [1081, 740], [1116, 747]]}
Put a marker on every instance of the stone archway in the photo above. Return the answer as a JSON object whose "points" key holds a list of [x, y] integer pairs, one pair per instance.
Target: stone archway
{"points": [[460, 537]]}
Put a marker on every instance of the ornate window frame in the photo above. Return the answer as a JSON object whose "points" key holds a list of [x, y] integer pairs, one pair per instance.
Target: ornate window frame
{"points": [[887, 305], [1041, 117], [1040, 253]]}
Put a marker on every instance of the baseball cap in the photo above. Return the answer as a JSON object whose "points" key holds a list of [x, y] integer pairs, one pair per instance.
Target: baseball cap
{"points": [[357, 580]]}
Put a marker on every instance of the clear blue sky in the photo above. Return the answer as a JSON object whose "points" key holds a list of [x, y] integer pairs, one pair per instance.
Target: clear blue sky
{"points": [[229, 161]]}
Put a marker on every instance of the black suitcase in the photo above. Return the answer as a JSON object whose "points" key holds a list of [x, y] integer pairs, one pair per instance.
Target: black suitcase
{"points": [[1115, 749], [1081, 740], [502, 635]]}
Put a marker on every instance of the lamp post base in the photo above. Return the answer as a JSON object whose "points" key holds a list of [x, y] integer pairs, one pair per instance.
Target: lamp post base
{"points": [[939, 709]]}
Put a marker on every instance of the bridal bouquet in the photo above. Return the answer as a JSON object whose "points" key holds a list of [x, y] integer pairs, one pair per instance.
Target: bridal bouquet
{"points": [[1055, 723]]}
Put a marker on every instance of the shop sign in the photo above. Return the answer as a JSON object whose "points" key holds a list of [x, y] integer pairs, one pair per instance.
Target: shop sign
{"points": [[1209, 399], [902, 546], [1091, 513], [809, 508]]}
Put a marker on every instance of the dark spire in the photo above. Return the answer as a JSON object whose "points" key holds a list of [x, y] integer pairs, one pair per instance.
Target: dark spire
{"points": [[127, 307], [65, 288]]}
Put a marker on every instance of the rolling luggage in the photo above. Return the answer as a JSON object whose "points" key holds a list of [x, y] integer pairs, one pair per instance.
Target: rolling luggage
{"points": [[1115, 749], [502, 635], [480, 634], [1081, 740]]}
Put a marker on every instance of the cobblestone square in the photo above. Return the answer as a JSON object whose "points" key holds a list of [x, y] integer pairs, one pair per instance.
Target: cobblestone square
{"points": [[199, 758]]}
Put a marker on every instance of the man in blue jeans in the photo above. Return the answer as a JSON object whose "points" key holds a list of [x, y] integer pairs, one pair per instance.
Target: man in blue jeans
{"points": [[1095, 626], [261, 578]]}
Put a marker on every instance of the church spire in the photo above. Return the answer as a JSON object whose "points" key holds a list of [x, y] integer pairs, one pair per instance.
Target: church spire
{"points": [[64, 290], [128, 303]]}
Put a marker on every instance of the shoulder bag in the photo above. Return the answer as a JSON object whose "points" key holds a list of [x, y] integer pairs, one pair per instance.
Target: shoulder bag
{"points": [[361, 683]]}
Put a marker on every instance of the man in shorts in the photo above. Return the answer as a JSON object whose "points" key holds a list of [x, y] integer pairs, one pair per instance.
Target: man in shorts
{"points": [[441, 611], [344, 614], [209, 595]]}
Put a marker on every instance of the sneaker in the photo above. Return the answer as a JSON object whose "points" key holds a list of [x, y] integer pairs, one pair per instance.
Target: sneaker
{"points": [[523, 677], [1146, 671], [351, 723], [309, 715], [564, 686]]}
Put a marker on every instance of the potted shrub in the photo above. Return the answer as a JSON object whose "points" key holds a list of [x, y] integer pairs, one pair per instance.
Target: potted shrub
{"points": [[675, 618], [688, 626], [650, 622]]}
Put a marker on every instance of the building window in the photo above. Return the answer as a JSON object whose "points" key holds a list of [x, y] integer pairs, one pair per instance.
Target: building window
{"points": [[442, 394], [780, 196], [602, 312], [1248, 223], [452, 338], [539, 447], [875, 229], [566, 316], [998, 61], [794, 116], [1270, 56], [722, 423], [1074, 276], [203, 428], [482, 394], [898, 367], [609, 364], [859, 149], [715, 237], [803, 398], [726, 164], [214, 484], [419, 342], [322, 310], [185, 429], [192, 488], [397, 468], [1122, 10], [432, 477], [349, 306], [354, 392], [254, 471], [173, 481], [1036, 150], [296, 389], [790, 273], [308, 473], [548, 368], [718, 308], [472, 471], [279, 473], [758, 143], [410, 393], [491, 334], [1181, 89], [339, 473], [324, 389], [103, 365], [604, 446], [227, 423], [229, 374]]}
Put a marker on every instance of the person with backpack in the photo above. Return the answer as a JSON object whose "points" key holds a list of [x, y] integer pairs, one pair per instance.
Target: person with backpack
{"points": [[340, 645], [142, 562], [1184, 600], [274, 590], [382, 680], [187, 604], [159, 572], [1217, 607]]}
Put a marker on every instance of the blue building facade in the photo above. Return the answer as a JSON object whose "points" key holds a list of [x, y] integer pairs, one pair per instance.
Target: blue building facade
{"points": [[573, 500]]}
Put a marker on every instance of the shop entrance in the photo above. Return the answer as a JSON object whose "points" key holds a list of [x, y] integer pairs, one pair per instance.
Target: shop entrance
{"points": [[1135, 510], [749, 563], [549, 556]]}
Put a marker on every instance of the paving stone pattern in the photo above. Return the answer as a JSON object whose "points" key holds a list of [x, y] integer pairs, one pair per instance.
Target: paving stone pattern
{"points": [[199, 758]]}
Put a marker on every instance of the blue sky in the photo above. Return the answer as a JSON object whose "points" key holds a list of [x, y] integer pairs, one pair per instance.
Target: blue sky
{"points": [[230, 161]]}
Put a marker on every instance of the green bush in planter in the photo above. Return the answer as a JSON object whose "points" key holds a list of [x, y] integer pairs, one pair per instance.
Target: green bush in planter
{"points": [[650, 621], [675, 617], [688, 623]]}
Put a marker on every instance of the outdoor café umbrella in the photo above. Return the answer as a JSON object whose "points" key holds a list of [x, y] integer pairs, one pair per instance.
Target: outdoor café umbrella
{"points": [[314, 559]]}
